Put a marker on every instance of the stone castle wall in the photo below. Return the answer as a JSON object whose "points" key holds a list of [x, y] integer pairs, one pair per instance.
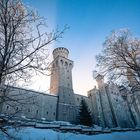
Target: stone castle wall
{"points": [[30, 104], [107, 104]]}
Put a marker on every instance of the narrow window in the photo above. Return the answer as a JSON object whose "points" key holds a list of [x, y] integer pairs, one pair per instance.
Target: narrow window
{"points": [[17, 108], [36, 111], [28, 110], [7, 107], [61, 62], [70, 65], [66, 64]]}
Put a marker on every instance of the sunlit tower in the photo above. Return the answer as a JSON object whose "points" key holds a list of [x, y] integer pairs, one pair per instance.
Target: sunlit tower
{"points": [[61, 84]]}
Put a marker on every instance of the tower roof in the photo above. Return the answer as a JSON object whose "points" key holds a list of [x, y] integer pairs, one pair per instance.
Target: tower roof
{"points": [[61, 51]]}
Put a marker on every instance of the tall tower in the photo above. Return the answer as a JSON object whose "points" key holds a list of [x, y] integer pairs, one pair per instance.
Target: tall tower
{"points": [[61, 84], [105, 110], [100, 80]]}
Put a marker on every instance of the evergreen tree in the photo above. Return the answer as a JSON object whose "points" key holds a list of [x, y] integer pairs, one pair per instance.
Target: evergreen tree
{"points": [[84, 117]]}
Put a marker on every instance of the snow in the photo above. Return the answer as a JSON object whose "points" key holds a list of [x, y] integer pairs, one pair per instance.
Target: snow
{"points": [[43, 119], [61, 123], [28, 123], [40, 125], [70, 128], [30, 133], [24, 117]]}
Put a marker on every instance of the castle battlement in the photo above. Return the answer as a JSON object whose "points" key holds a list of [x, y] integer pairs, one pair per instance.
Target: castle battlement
{"points": [[61, 51]]}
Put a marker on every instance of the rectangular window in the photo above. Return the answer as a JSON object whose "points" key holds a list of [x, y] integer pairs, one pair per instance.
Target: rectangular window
{"points": [[36, 111], [7, 107]]}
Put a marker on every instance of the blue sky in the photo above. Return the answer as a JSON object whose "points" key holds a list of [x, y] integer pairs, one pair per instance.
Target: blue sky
{"points": [[90, 21]]}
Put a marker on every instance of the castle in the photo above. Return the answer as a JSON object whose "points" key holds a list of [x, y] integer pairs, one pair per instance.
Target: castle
{"points": [[109, 103]]}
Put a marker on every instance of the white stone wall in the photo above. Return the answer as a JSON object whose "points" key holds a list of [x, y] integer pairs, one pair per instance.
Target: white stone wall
{"points": [[93, 95], [30, 104], [61, 85], [78, 99], [120, 107], [61, 74], [107, 103], [66, 105], [108, 108], [133, 100]]}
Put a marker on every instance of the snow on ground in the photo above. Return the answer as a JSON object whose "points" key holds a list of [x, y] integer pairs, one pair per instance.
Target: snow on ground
{"points": [[29, 133]]}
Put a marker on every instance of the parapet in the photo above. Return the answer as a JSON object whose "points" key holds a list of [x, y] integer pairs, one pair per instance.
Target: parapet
{"points": [[61, 51]]}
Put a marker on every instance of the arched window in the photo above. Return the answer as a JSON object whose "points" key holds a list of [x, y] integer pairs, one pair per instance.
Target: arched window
{"points": [[61, 62], [66, 64], [70, 65], [7, 107], [36, 111]]}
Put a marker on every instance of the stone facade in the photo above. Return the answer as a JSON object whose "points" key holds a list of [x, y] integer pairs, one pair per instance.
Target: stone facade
{"points": [[31, 104], [61, 85], [109, 105]]}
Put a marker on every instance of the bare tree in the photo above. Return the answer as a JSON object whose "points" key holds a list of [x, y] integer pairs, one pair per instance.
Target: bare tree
{"points": [[120, 62], [120, 58], [23, 45]]}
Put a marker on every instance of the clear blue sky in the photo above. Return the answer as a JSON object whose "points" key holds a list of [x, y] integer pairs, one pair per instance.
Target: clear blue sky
{"points": [[90, 22]]}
